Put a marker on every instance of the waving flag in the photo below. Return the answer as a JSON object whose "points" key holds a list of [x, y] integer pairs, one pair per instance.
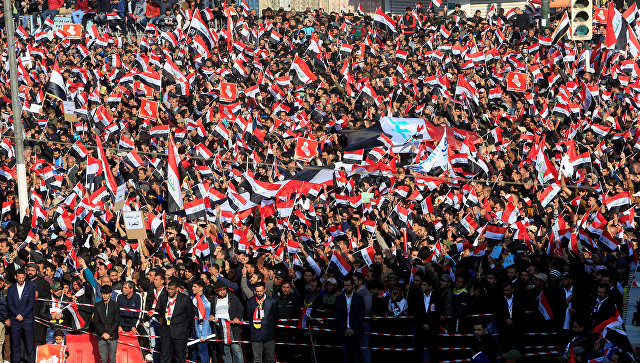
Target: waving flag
{"points": [[301, 72], [616, 29], [173, 178], [383, 22], [544, 307], [341, 263], [57, 87]]}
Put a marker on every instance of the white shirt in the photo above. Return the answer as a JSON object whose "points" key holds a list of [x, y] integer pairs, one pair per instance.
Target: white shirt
{"points": [[427, 302], [222, 308], [20, 289], [348, 297], [510, 306], [567, 315]]}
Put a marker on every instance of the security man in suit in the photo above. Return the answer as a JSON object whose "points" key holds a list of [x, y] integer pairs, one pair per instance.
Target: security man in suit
{"points": [[176, 315], [263, 317], [427, 320], [106, 320], [21, 299], [350, 321]]}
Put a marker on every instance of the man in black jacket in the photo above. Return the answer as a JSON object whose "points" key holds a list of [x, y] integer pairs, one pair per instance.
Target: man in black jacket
{"points": [[427, 320], [263, 317], [227, 307], [175, 314], [106, 320], [350, 321]]}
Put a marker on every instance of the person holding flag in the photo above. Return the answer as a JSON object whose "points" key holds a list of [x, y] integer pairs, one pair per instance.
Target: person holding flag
{"points": [[227, 308], [202, 327]]}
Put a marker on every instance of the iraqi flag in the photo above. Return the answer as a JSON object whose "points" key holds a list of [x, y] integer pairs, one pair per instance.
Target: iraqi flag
{"points": [[57, 87], [383, 22], [367, 255], [466, 88], [468, 225], [548, 194], [340, 263], [544, 307], [563, 28], [616, 29], [111, 181], [195, 209], [173, 178], [619, 201], [301, 72]]}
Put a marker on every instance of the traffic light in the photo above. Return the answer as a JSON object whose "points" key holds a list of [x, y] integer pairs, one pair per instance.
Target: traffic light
{"points": [[581, 19]]}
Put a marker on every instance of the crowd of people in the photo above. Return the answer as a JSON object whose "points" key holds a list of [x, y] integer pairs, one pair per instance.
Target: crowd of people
{"points": [[198, 174]]}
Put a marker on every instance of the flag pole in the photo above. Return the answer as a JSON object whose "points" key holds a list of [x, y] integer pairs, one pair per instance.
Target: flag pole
{"points": [[16, 108]]}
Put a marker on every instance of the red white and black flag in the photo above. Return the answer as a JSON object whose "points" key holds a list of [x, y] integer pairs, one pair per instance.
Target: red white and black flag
{"points": [[111, 181], [57, 87], [301, 72], [173, 178], [383, 22], [616, 30], [195, 210]]}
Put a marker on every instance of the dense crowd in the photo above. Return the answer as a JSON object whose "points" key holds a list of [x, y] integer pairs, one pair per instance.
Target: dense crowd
{"points": [[319, 167]]}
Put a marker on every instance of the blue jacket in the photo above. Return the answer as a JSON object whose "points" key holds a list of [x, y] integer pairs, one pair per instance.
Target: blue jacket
{"points": [[202, 326], [267, 331], [21, 306]]}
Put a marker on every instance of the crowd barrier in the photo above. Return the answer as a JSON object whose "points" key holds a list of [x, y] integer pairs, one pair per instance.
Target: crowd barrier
{"points": [[83, 345]]}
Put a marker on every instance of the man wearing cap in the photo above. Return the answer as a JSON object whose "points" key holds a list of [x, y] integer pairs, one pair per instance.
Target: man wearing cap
{"points": [[263, 317], [21, 298], [54, 311], [511, 356], [226, 307]]}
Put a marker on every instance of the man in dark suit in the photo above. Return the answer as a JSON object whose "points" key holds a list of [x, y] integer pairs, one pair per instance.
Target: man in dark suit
{"points": [[350, 321], [263, 317], [175, 314], [604, 308], [106, 320], [21, 299], [509, 315], [427, 320]]}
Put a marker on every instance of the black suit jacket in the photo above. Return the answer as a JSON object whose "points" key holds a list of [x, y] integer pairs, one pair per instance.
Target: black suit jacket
{"points": [[269, 320], [356, 314], [181, 319], [502, 311], [427, 315], [107, 323], [607, 310]]}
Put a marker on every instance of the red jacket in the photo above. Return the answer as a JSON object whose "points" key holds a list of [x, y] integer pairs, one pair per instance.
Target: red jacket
{"points": [[152, 10], [55, 4], [82, 5]]}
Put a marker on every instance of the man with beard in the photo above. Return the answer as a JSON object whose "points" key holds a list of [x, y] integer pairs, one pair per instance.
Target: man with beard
{"points": [[176, 316], [42, 292]]}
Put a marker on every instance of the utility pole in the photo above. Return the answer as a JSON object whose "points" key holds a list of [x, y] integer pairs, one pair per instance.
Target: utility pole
{"points": [[544, 14], [16, 108]]}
